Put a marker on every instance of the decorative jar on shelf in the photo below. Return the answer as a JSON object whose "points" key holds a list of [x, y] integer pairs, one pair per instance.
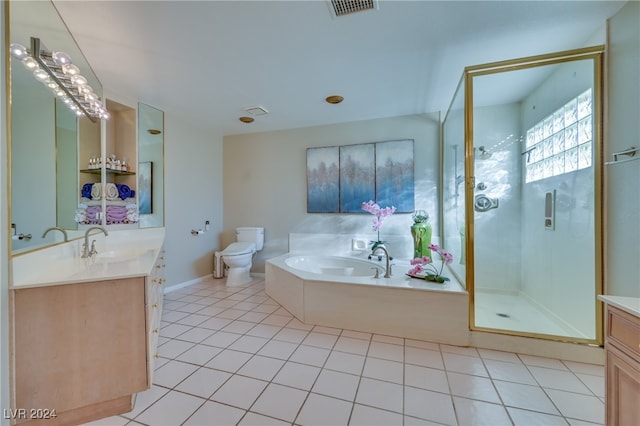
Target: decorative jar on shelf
{"points": [[421, 233]]}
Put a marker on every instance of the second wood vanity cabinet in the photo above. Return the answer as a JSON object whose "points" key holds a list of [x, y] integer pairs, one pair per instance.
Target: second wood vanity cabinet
{"points": [[622, 367]]}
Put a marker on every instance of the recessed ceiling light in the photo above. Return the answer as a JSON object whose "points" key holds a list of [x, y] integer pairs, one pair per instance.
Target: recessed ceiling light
{"points": [[334, 99], [246, 119]]}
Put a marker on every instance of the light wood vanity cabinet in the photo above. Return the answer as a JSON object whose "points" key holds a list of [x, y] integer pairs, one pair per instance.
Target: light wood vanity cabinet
{"points": [[82, 351], [622, 367]]}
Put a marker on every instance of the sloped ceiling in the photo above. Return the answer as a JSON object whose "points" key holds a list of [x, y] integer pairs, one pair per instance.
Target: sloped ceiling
{"points": [[211, 59]]}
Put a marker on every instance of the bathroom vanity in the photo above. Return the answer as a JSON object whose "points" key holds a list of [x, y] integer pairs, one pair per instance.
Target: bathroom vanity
{"points": [[622, 370], [85, 341]]}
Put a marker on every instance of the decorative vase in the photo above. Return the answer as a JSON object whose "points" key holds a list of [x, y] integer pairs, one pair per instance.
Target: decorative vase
{"points": [[421, 233]]}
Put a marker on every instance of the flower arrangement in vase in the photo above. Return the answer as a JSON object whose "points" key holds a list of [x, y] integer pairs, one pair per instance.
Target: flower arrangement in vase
{"points": [[421, 233], [380, 214], [424, 265]]}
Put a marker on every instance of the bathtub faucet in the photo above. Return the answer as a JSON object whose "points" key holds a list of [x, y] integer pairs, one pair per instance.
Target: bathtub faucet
{"points": [[387, 273]]}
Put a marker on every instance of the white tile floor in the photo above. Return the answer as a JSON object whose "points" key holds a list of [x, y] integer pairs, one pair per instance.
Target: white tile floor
{"points": [[234, 356]]}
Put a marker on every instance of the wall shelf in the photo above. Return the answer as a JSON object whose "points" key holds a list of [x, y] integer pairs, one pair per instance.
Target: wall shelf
{"points": [[109, 172]]}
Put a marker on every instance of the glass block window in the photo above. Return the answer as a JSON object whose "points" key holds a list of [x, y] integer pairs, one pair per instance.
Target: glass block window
{"points": [[562, 142]]}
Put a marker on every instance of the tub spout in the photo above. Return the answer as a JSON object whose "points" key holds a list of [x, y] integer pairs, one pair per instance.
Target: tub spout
{"points": [[387, 273]]}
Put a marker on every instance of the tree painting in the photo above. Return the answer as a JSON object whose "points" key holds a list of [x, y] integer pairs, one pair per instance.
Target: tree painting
{"points": [[323, 180], [394, 175], [340, 179], [357, 176]]}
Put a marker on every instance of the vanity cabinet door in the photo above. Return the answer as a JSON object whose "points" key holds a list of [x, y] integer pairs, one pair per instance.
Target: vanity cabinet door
{"points": [[623, 389], [622, 368], [155, 296], [79, 349]]}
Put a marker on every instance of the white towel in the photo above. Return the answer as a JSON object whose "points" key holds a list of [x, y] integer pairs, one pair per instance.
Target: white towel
{"points": [[111, 191], [81, 215], [96, 191]]}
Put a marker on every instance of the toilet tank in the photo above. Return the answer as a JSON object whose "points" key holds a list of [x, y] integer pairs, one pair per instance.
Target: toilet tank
{"points": [[252, 235]]}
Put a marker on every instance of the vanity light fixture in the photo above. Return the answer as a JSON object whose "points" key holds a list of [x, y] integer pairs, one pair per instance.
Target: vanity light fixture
{"points": [[334, 99], [56, 71]]}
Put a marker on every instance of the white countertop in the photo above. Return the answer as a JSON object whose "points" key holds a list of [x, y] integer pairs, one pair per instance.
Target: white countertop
{"points": [[121, 254], [630, 305]]}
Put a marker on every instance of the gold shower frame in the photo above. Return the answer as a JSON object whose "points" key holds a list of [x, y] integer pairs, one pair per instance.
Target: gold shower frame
{"points": [[595, 53]]}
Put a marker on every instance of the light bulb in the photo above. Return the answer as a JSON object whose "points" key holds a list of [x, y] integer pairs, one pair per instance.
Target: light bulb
{"points": [[90, 97], [78, 80], [70, 69], [61, 58], [59, 92], [105, 115], [86, 89], [30, 63], [40, 75], [18, 51]]}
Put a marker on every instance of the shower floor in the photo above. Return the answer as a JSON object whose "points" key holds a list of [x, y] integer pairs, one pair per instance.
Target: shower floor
{"points": [[513, 312]]}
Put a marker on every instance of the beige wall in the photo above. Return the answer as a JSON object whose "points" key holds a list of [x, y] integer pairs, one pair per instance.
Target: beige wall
{"points": [[193, 194], [264, 179]]}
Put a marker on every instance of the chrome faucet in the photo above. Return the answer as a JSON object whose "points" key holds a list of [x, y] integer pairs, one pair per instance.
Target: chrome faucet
{"points": [[55, 228], [86, 251], [387, 273]]}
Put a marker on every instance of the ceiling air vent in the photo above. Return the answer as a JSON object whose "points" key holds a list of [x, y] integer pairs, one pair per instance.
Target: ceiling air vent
{"points": [[344, 7], [256, 110]]}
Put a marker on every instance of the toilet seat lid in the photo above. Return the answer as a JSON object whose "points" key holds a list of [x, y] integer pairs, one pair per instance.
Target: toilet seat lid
{"points": [[239, 248]]}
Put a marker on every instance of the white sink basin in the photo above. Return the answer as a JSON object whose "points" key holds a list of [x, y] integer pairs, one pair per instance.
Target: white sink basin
{"points": [[128, 253]]}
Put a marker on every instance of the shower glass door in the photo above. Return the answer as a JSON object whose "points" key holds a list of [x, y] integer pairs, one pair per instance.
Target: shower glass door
{"points": [[533, 196], [452, 184]]}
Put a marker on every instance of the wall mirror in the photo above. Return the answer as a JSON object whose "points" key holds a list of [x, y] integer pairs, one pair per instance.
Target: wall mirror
{"points": [[44, 133], [150, 166]]}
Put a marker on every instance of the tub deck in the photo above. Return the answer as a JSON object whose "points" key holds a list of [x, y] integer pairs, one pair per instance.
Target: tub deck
{"points": [[399, 306]]}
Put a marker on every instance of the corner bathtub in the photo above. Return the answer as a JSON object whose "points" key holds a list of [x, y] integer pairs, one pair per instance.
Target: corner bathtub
{"points": [[342, 292]]}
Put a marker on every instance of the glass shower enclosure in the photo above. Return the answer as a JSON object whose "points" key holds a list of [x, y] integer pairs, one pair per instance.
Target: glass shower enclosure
{"points": [[522, 194]]}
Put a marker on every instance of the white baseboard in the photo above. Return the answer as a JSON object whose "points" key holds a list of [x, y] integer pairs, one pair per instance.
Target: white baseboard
{"points": [[202, 279], [186, 284]]}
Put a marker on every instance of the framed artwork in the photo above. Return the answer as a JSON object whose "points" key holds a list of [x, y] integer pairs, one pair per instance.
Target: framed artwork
{"points": [[144, 187], [323, 179], [394, 175], [357, 176], [340, 179]]}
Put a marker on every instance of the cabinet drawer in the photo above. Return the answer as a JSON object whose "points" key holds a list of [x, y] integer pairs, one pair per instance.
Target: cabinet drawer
{"points": [[623, 331]]}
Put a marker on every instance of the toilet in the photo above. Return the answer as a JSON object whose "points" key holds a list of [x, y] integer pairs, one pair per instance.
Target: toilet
{"points": [[238, 256]]}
